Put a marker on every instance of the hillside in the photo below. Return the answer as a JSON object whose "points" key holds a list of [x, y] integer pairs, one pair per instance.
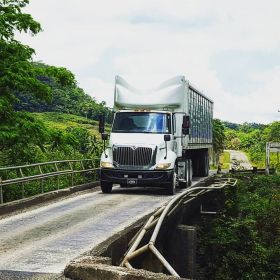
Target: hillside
{"points": [[39, 137], [63, 121], [63, 97]]}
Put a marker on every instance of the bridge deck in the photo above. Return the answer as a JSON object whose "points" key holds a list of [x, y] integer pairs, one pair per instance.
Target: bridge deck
{"points": [[47, 238]]}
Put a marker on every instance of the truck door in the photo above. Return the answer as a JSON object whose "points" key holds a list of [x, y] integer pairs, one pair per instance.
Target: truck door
{"points": [[177, 132]]}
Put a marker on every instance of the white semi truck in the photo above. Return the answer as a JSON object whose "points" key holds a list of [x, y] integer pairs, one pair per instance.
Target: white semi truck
{"points": [[159, 138]]}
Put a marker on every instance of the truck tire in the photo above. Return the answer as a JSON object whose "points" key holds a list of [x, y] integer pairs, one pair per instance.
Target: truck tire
{"points": [[183, 185], [106, 187], [171, 189], [190, 173]]}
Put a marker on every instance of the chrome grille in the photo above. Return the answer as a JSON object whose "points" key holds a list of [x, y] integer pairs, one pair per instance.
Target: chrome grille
{"points": [[139, 156]]}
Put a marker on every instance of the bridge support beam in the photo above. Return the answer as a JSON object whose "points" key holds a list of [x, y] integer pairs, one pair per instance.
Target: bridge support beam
{"points": [[182, 251]]}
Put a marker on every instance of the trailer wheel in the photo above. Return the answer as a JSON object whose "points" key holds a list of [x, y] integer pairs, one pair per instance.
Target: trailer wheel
{"points": [[171, 190], [106, 187]]}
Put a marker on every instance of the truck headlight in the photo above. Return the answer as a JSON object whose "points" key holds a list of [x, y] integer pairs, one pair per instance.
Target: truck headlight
{"points": [[106, 164], [163, 165]]}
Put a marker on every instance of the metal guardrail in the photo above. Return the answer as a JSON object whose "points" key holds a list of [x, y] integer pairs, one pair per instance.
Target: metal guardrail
{"points": [[41, 171], [254, 170], [158, 218]]}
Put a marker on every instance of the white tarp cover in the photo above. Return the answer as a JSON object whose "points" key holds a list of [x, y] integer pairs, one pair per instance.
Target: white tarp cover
{"points": [[170, 94]]}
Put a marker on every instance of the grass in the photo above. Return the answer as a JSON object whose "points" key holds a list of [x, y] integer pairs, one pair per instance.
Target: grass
{"points": [[225, 160], [274, 160], [64, 121]]}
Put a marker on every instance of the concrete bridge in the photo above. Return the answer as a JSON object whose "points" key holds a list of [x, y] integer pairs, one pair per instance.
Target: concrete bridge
{"points": [[45, 237], [40, 235]]}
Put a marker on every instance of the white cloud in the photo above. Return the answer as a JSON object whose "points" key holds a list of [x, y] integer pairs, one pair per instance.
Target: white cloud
{"points": [[158, 39]]}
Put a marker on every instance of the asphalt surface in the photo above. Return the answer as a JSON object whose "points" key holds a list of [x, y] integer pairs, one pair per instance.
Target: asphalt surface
{"points": [[239, 160], [22, 275], [45, 239]]}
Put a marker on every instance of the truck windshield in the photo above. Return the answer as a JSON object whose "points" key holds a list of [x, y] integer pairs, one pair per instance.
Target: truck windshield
{"points": [[142, 122]]}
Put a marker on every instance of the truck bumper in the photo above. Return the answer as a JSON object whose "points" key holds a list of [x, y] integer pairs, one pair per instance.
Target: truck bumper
{"points": [[130, 178]]}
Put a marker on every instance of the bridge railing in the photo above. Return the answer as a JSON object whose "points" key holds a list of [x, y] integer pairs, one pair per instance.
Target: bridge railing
{"points": [[25, 175], [154, 224]]}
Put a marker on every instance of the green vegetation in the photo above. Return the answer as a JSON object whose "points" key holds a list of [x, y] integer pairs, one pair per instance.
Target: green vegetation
{"points": [[225, 160], [36, 101], [51, 136], [27, 87], [252, 139], [243, 242], [63, 121], [65, 98], [218, 140]]}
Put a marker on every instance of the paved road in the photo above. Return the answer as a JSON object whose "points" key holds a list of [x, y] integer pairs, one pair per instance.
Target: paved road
{"points": [[47, 238], [239, 157]]}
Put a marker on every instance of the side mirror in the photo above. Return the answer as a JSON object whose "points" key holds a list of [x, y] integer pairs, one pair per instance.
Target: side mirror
{"points": [[101, 123], [186, 125], [167, 138], [104, 136]]}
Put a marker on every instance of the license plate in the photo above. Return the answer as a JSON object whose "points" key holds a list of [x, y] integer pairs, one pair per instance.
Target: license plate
{"points": [[132, 181]]}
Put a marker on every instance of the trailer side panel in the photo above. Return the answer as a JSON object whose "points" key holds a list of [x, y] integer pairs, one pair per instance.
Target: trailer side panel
{"points": [[201, 114]]}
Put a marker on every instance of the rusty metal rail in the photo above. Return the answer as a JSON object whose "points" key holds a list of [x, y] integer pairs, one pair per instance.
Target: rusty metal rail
{"points": [[41, 171], [254, 170], [156, 221]]}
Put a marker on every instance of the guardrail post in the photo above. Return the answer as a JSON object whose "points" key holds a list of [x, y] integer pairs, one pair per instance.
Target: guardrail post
{"points": [[22, 184], [267, 158], [94, 171], [1, 192], [72, 175], [82, 173], [22, 190], [57, 177], [41, 181], [42, 185]]}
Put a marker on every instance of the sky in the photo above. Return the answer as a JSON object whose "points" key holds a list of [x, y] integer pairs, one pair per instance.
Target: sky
{"points": [[228, 49]]}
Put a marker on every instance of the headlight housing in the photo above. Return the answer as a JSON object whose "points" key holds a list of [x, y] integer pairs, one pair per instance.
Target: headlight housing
{"points": [[163, 165], [106, 164]]}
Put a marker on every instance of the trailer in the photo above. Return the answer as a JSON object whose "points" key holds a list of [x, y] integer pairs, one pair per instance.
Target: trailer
{"points": [[159, 138]]}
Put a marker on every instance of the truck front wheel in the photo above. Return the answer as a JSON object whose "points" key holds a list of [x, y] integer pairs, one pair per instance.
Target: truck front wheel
{"points": [[106, 187], [171, 190]]}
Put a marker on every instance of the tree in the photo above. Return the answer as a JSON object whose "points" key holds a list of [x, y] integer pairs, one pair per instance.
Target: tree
{"points": [[16, 71], [20, 132], [218, 138], [273, 132], [37, 87], [66, 96]]}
